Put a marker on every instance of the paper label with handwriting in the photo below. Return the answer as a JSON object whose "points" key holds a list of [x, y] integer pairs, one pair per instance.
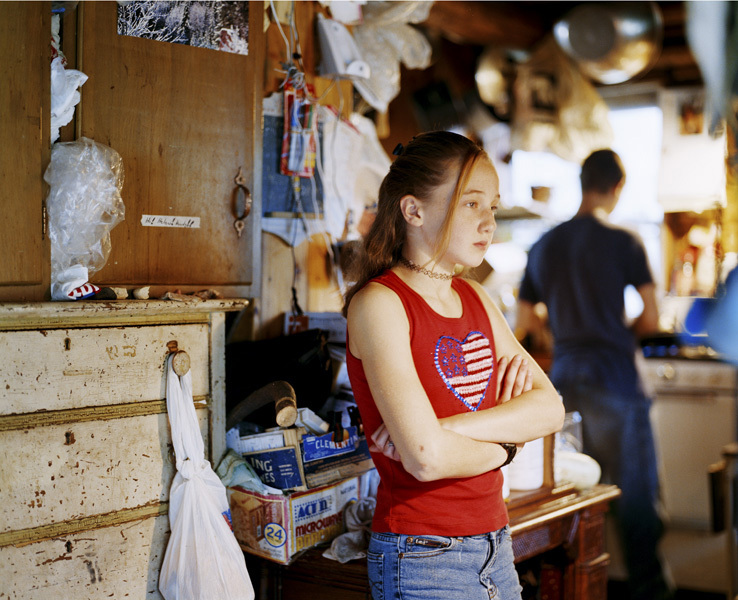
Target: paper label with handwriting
{"points": [[170, 221]]}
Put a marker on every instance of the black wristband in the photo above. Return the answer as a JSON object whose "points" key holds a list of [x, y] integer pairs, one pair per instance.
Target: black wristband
{"points": [[511, 450]]}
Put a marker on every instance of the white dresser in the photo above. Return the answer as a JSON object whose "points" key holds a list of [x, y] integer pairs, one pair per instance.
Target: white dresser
{"points": [[86, 459]]}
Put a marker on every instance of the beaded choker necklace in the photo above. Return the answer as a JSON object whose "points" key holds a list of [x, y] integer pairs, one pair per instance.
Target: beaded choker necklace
{"points": [[413, 267]]}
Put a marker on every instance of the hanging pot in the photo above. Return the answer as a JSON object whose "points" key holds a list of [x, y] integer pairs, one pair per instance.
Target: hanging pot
{"points": [[611, 42], [493, 78]]}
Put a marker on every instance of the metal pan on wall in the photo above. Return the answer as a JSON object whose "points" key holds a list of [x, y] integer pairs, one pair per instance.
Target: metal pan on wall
{"points": [[611, 42]]}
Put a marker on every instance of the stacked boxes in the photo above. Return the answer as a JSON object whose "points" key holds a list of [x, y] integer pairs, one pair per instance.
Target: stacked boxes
{"points": [[289, 459], [319, 476]]}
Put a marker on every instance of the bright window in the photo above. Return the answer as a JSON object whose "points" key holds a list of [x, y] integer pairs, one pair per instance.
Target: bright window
{"points": [[637, 139]]}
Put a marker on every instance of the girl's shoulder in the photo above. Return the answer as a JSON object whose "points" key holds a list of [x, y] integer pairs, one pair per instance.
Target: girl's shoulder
{"points": [[376, 315], [375, 296]]}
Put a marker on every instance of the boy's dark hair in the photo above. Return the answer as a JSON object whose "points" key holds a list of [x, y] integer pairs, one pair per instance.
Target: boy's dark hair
{"points": [[602, 171]]}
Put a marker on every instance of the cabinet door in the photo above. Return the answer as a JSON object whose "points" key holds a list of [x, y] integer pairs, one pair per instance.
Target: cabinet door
{"points": [[184, 120], [24, 138]]}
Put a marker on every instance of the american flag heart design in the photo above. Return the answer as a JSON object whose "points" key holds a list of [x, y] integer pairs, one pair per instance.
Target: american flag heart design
{"points": [[465, 366]]}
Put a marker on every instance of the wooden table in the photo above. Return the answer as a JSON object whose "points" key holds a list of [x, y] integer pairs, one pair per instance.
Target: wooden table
{"points": [[558, 533]]}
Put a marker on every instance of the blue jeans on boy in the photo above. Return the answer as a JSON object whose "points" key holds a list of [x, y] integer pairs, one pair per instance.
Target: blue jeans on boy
{"points": [[432, 567], [617, 433]]}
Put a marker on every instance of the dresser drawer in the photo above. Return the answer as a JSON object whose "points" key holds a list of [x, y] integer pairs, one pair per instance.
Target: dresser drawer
{"points": [[58, 369], [120, 561], [87, 459], [73, 470]]}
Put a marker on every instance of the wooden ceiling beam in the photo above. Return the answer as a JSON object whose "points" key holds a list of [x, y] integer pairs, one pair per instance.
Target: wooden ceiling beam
{"points": [[504, 24]]}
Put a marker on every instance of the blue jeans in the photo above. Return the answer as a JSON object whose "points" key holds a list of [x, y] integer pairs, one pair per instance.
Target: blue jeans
{"points": [[432, 567]]}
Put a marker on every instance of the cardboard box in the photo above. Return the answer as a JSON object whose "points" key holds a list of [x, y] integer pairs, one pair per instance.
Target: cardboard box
{"points": [[279, 527], [276, 456], [290, 459], [324, 461]]}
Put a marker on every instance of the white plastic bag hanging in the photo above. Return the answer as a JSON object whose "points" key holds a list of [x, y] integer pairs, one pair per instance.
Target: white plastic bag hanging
{"points": [[203, 560]]}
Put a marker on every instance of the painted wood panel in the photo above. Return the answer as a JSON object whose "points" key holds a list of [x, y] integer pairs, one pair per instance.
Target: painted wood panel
{"points": [[111, 562], [70, 471], [46, 370]]}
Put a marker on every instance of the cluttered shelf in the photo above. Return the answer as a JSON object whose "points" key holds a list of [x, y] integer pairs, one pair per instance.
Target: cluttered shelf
{"points": [[542, 522]]}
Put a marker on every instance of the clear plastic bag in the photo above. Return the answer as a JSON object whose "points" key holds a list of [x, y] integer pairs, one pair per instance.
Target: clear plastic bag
{"points": [[84, 204], [384, 39]]}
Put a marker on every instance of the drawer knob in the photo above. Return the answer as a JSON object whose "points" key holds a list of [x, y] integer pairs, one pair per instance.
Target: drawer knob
{"points": [[181, 362], [666, 371], [180, 358]]}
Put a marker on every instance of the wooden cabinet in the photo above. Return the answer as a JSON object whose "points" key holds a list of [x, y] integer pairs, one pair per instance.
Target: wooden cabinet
{"points": [[87, 459], [25, 29], [185, 120]]}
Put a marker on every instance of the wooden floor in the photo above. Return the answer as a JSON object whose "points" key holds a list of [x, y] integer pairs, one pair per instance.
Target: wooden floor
{"points": [[693, 595], [616, 591]]}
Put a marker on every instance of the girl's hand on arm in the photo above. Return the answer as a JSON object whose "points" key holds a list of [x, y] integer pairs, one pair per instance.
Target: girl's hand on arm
{"points": [[513, 377], [381, 442]]}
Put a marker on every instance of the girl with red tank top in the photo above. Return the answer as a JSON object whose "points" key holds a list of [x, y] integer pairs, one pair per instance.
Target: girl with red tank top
{"points": [[444, 414]]}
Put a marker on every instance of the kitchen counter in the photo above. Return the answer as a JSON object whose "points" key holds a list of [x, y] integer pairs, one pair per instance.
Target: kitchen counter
{"points": [[694, 415]]}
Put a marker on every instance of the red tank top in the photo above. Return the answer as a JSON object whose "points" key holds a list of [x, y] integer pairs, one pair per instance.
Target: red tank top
{"points": [[456, 362]]}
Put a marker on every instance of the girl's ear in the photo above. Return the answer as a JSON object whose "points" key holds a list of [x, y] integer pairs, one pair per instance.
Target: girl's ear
{"points": [[411, 211]]}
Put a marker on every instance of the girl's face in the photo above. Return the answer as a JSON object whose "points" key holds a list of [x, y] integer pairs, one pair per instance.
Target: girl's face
{"points": [[473, 222]]}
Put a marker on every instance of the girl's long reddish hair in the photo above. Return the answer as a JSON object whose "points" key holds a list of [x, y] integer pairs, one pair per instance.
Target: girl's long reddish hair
{"points": [[427, 162]]}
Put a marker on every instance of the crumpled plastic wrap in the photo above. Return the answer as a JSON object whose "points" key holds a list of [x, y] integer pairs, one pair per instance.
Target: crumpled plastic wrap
{"points": [[64, 94], [234, 470], [353, 544], [557, 109], [384, 39], [83, 205], [354, 164]]}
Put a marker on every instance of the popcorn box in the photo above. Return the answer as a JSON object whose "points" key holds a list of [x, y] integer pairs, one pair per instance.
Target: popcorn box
{"points": [[278, 527]]}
